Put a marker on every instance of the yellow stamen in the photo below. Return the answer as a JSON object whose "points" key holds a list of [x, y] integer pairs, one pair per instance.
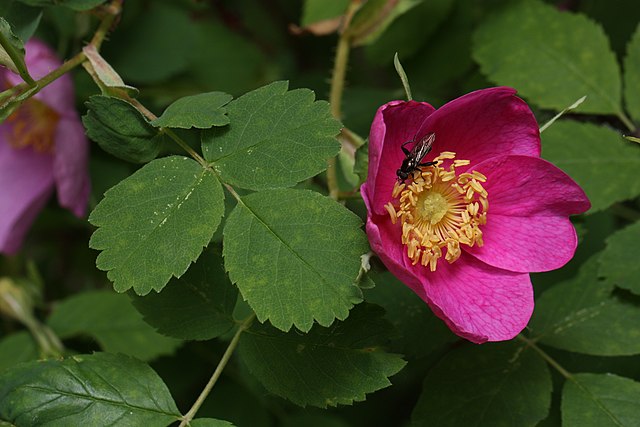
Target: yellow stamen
{"points": [[439, 210], [33, 124]]}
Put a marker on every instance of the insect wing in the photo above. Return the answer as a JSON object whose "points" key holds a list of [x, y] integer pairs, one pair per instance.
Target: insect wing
{"points": [[422, 147]]}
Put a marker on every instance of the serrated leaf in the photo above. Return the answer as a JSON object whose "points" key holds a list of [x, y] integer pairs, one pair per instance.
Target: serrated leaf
{"points": [[82, 389], [597, 158], [422, 332], [327, 366], [294, 255], [600, 400], [581, 315], [619, 261], [24, 19], [489, 385], [120, 129], [113, 322], [15, 348], [197, 306], [155, 223], [201, 111], [276, 138], [551, 57], [632, 76]]}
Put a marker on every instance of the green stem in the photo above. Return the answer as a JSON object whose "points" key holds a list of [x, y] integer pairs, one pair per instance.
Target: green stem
{"points": [[186, 419], [627, 122], [17, 60], [337, 88], [545, 356]]}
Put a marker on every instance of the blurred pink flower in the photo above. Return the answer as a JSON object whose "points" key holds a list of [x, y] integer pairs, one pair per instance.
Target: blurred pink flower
{"points": [[42, 147], [464, 234]]}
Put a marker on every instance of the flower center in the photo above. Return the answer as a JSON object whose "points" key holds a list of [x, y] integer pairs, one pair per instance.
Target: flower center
{"points": [[439, 210], [33, 124]]}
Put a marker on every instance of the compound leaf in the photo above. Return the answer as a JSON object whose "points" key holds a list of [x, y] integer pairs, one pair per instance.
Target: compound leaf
{"points": [[120, 129], [600, 400], [551, 57], [598, 158], [276, 138], [201, 111], [581, 315], [492, 385], [294, 255], [152, 225], [197, 306], [327, 366], [115, 389]]}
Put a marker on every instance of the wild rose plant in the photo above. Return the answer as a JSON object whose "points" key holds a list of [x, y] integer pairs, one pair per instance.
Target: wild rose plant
{"points": [[228, 258], [465, 233], [42, 147]]}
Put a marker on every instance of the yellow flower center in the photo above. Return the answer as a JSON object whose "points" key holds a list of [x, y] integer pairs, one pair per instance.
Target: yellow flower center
{"points": [[33, 124], [439, 210]]}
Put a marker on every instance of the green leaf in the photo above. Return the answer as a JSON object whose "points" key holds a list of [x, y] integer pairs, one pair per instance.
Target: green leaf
{"points": [[619, 261], [155, 223], [79, 390], [598, 158], [201, 111], [16, 348], [581, 315], [632, 76], [23, 19], [276, 138], [600, 400], [327, 366], [294, 255], [551, 57], [197, 306], [489, 385], [422, 332], [120, 129], [113, 322]]}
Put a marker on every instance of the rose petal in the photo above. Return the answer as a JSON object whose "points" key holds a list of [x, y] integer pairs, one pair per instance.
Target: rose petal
{"points": [[394, 123], [26, 180], [484, 124], [71, 165], [479, 302], [528, 228]]}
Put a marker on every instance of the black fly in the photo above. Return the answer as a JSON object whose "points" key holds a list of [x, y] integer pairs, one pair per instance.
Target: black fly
{"points": [[414, 157]]}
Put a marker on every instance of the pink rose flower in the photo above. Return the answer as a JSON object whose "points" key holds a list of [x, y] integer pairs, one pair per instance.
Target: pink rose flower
{"points": [[42, 147], [465, 234]]}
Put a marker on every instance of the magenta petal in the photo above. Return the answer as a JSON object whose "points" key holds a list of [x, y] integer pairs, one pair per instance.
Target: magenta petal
{"points": [[26, 180], [71, 165], [394, 123], [479, 302], [484, 124], [528, 228]]}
